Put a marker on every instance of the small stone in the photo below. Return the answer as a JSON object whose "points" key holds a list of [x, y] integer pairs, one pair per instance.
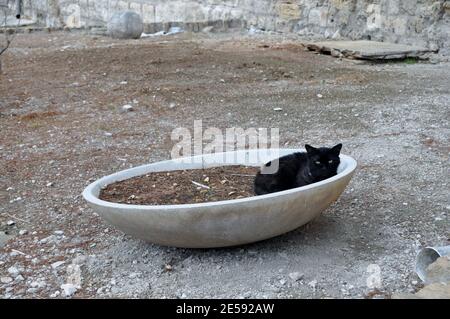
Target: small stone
{"points": [[23, 232], [79, 260], [13, 271], [296, 276], [10, 223], [69, 289], [313, 284], [319, 96], [127, 108], [57, 264], [49, 184], [55, 294], [6, 280], [47, 239], [168, 267], [133, 275], [59, 232], [278, 109]]}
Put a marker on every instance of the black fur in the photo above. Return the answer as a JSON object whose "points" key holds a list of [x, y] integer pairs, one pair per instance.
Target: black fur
{"points": [[299, 169]]}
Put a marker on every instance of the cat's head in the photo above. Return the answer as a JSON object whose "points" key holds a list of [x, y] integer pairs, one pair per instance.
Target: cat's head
{"points": [[323, 162]]}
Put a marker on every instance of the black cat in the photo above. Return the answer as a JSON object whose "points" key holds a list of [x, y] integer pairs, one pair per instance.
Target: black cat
{"points": [[299, 169]]}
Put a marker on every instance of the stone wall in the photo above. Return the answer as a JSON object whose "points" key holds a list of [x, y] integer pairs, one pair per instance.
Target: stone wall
{"points": [[420, 22]]}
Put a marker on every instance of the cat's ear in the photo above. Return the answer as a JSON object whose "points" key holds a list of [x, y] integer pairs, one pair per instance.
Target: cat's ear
{"points": [[310, 149], [336, 149]]}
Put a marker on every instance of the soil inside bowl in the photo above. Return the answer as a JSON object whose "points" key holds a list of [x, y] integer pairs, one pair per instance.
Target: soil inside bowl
{"points": [[183, 187]]}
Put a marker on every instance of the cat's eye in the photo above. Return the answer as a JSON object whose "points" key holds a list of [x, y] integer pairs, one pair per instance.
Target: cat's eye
{"points": [[330, 161]]}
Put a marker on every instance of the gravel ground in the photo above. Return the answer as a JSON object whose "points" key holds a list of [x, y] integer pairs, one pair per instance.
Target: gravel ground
{"points": [[63, 126]]}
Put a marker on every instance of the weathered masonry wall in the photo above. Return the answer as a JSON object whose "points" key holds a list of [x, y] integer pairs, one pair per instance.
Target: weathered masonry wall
{"points": [[420, 22]]}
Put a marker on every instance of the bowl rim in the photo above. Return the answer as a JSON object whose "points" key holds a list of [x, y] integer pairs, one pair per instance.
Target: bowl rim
{"points": [[88, 192]]}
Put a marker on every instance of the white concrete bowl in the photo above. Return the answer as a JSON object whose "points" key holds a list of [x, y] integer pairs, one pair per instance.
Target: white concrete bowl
{"points": [[222, 223]]}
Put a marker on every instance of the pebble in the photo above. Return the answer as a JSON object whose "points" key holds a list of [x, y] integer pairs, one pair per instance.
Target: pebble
{"points": [[319, 96], [313, 284], [79, 260], [10, 223], [69, 289], [13, 271], [127, 108], [278, 109], [23, 232], [59, 232], [296, 276], [47, 239], [6, 280], [57, 264]]}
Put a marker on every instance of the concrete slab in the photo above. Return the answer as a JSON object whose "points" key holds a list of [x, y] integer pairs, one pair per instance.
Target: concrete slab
{"points": [[368, 50]]}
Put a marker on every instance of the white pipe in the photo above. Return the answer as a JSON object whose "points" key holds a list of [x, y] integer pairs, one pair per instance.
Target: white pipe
{"points": [[427, 256]]}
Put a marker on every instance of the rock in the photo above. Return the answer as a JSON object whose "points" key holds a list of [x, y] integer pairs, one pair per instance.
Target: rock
{"points": [[125, 25], [13, 271], [23, 232], [278, 109], [10, 223], [296, 276], [47, 239], [6, 280], [4, 239], [127, 108], [439, 271], [79, 260], [69, 289], [59, 232], [313, 284], [57, 264]]}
